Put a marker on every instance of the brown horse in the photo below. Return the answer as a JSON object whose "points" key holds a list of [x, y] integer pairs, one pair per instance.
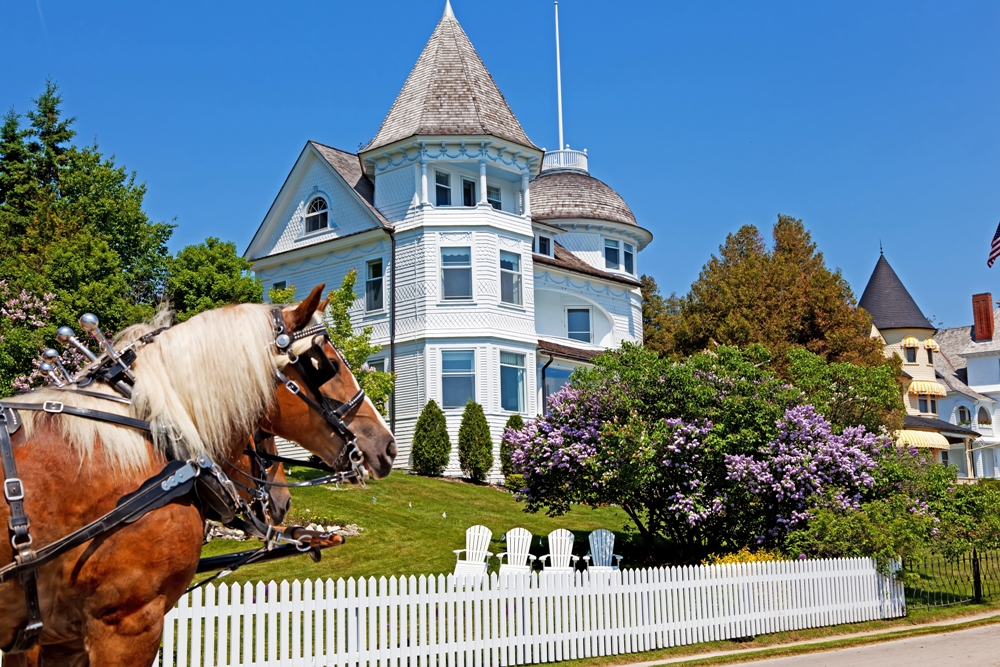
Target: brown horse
{"points": [[250, 467], [204, 385]]}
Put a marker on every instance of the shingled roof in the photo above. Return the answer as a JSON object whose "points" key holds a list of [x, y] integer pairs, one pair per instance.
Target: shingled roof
{"points": [[449, 92], [887, 301], [574, 194]]}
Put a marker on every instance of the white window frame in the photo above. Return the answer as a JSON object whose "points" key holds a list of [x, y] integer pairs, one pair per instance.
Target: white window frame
{"points": [[497, 202], [306, 215], [451, 197], [537, 246], [628, 250], [518, 278], [475, 190], [472, 277], [523, 400], [381, 280], [590, 317], [475, 378], [617, 245]]}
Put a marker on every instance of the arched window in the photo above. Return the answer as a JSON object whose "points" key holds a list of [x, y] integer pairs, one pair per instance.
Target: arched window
{"points": [[963, 416], [316, 215], [983, 417]]}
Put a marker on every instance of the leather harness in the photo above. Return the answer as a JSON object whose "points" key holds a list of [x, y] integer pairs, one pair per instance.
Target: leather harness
{"points": [[214, 492]]}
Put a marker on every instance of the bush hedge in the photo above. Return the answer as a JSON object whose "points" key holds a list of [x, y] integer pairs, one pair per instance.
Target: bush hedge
{"points": [[431, 443], [475, 446]]}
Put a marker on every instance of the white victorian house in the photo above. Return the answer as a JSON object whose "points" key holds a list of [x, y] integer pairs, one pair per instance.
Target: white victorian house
{"points": [[488, 268]]}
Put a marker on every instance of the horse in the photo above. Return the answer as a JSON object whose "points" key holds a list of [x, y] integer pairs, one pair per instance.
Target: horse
{"points": [[204, 386], [257, 463]]}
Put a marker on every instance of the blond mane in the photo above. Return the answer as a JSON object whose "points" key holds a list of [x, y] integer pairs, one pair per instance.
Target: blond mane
{"points": [[198, 384]]}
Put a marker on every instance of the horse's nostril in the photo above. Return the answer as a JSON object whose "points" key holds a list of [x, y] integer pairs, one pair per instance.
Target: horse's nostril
{"points": [[391, 449]]}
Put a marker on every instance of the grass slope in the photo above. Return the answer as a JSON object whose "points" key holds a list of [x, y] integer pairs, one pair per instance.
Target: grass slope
{"points": [[404, 530]]}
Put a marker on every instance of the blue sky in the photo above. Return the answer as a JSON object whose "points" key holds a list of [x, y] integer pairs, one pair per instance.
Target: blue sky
{"points": [[867, 120]]}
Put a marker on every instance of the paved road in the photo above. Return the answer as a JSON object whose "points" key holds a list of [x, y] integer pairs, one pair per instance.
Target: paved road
{"points": [[978, 647]]}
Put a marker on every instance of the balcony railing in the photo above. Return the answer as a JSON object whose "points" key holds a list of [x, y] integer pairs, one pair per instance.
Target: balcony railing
{"points": [[565, 159]]}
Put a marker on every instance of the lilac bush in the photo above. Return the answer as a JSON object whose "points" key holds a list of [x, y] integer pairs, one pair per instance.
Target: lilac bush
{"points": [[805, 462]]}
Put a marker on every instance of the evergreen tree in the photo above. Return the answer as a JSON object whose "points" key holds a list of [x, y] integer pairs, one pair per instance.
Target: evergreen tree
{"points": [[506, 464], [782, 298], [475, 446], [210, 275], [431, 447], [659, 318]]}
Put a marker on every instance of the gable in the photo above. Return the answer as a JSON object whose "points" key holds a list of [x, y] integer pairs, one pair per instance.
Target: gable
{"points": [[315, 175]]}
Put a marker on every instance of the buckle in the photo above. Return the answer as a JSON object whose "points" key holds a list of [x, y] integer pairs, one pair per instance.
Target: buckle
{"points": [[13, 489], [292, 386], [53, 407]]}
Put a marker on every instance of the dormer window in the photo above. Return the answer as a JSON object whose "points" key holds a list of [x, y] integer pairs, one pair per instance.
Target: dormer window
{"points": [[316, 215], [963, 416], [442, 186], [543, 245]]}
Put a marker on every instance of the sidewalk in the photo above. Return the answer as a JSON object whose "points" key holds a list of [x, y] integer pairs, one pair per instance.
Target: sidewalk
{"points": [[992, 615]]}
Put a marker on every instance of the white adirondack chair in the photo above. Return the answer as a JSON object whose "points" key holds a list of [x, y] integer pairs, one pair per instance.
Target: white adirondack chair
{"points": [[602, 546], [518, 558], [477, 541], [560, 557]]}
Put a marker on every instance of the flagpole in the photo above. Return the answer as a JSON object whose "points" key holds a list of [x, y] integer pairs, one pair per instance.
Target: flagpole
{"points": [[559, 80]]}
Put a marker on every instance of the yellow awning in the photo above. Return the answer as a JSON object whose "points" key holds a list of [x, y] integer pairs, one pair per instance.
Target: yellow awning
{"points": [[926, 388], [910, 341], [927, 439], [931, 344]]}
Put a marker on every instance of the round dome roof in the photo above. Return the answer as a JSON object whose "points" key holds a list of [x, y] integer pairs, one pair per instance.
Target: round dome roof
{"points": [[575, 194]]}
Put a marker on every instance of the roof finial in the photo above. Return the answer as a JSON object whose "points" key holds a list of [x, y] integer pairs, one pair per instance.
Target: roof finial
{"points": [[448, 13], [881, 254]]}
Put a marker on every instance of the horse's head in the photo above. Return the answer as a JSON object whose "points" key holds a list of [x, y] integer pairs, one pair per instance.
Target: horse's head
{"points": [[335, 411], [256, 464]]}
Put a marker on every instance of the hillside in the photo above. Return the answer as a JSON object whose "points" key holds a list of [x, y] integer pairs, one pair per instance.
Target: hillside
{"points": [[411, 524]]}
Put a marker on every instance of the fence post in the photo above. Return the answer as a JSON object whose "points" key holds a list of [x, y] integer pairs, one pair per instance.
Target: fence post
{"points": [[977, 580]]}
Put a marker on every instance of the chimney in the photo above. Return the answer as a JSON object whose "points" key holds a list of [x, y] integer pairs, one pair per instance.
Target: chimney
{"points": [[982, 316]]}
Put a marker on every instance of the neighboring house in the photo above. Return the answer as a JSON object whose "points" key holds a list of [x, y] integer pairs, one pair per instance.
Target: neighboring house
{"points": [[906, 333], [488, 268], [969, 365]]}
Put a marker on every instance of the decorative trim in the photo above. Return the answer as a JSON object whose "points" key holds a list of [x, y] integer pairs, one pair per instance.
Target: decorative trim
{"points": [[419, 151], [320, 260], [586, 286]]}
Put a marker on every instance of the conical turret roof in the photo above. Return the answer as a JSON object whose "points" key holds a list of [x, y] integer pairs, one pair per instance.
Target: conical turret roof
{"points": [[887, 301], [449, 92]]}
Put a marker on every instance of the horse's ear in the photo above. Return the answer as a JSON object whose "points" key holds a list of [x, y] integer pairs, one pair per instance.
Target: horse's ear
{"points": [[321, 308], [299, 316]]}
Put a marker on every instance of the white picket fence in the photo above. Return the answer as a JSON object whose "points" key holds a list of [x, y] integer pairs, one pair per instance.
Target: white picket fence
{"points": [[520, 619]]}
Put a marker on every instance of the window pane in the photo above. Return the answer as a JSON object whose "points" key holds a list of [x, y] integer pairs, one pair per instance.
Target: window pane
{"points": [[457, 283], [610, 254], [930, 356], [512, 359], [377, 365], [578, 324], [457, 361], [373, 294], [493, 196], [510, 261], [375, 269], [923, 404], [468, 193], [443, 196], [458, 390], [911, 355], [441, 178], [629, 259], [544, 247], [510, 287], [512, 388], [281, 285], [456, 256]]}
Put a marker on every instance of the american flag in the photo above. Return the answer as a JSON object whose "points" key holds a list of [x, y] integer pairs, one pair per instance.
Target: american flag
{"points": [[994, 249]]}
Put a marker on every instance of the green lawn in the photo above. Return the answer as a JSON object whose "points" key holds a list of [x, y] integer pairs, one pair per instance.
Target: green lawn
{"points": [[405, 532]]}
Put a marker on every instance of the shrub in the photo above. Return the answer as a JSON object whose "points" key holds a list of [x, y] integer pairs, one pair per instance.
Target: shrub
{"points": [[431, 444], [514, 483], [744, 555], [506, 464], [475, 446]]}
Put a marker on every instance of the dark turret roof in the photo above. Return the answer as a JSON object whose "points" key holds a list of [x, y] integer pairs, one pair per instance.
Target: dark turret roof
{"points": [[887, 301]]}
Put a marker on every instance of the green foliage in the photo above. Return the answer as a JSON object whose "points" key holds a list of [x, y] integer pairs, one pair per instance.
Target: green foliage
{"points": [[356, 347], [278, 295], [431, 447], [849, 394], [210, 275], [506, 465], [475, 446], [72, 233], [659, 318], [781, 297]]}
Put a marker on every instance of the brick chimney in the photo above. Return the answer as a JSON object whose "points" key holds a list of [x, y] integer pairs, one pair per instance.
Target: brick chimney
{"points": [[982, 316]]}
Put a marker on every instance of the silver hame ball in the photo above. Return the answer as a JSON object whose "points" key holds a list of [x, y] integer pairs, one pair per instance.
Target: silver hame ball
{"points": [[46, 367], [63, 334], [89, 322], [50, 354]]}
